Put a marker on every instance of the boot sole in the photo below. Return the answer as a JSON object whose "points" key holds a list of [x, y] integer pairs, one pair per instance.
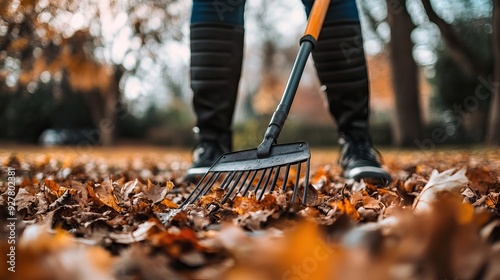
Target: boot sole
{"points": [[367, 172]]}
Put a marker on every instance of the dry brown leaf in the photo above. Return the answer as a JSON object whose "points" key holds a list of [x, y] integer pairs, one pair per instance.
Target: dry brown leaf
{"points": [[306, 254], [156, 193], [169, 203], [129, 188], [102, 194], [177, 244], [394, 244], [492, 200], [54, 188], [344, 206], [90, 190], [143, 232], [480, 179], [244, 205], [44, 255], [269, 202], [448, 180], [254, 220], [320, 177], [24, 200], [214, 197]]}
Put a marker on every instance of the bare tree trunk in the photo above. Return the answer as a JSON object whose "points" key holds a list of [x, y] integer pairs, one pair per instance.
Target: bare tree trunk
{"points": [[408, 122], [107, 125], [105, 106], [493, 133], [112, 108]]}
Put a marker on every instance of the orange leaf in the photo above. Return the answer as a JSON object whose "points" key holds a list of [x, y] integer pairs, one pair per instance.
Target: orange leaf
{"points": [[480, 179], [169, 203], [269, 202], [244, 205], [177, 243], [54, 188], [102, 195], [214, 196], [306, 248], [321, 175], [465, 213], [492, 200], [344, 206], [91, 192]]}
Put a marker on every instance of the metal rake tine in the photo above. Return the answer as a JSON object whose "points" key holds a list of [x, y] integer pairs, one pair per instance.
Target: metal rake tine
{"points": [[244, 180], [265, 184], [306, 182], [296, 187], [250, 183], [223, 182], [235, 183], [206, 188], [227, 180], [275, 179], [192, 194], [260, 181], [285, 179]]}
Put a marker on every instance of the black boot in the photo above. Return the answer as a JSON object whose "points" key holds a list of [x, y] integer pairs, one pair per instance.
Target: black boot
{"points": [[360, 160], [341, 66], [216, 59]]}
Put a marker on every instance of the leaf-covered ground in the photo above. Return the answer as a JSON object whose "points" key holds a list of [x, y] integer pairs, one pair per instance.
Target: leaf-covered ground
{"points": [[100, 214]]}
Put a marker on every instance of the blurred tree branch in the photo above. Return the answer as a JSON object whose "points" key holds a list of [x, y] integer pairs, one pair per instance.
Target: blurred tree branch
{"points": [[469, 63], [372, 22]]}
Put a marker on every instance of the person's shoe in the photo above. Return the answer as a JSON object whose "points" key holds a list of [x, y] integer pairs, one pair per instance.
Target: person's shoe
{"points": [[360, 160], [204, 155]]}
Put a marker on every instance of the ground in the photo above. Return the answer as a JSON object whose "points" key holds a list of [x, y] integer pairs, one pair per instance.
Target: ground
{"points": [[106, 213]]}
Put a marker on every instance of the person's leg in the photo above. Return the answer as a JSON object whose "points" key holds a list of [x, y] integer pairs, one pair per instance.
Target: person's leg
{"points": [[217, 34], [341, 66]]}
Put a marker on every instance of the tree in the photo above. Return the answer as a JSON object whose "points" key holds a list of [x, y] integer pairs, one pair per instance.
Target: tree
{"points": [[92, 44], [456, 46], [473, 66], [408, 121], [493, 134]]}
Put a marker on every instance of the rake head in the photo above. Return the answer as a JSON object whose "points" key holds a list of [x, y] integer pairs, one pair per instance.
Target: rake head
{"points": [[244, 172]]}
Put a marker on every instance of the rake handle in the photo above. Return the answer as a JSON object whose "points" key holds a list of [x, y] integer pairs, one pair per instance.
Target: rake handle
{"points": [[307, 43]]}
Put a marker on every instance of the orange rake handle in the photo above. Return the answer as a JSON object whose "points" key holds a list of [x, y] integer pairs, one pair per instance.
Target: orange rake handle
{"points": [[316, 18]]}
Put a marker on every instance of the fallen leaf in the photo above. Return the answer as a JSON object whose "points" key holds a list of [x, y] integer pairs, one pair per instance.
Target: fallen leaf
{"points": [[448, 180], [492, 200], [480, 179], [344, 206], [54, 188], [169, 203], [177, 243], [129, 188], [320, 177], [24, 200], [244, 205], [254, 220], [142, 232], [45, 255], [102, 194]]}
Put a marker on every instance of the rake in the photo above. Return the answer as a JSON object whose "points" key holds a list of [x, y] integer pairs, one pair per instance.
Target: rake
{"points": [[270, 165]]}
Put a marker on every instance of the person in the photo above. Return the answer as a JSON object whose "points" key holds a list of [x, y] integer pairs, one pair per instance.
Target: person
{"points": [[216, 41]]}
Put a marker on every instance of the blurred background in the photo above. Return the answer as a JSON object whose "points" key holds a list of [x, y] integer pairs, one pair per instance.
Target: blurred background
{"points": [[111, 72]]}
